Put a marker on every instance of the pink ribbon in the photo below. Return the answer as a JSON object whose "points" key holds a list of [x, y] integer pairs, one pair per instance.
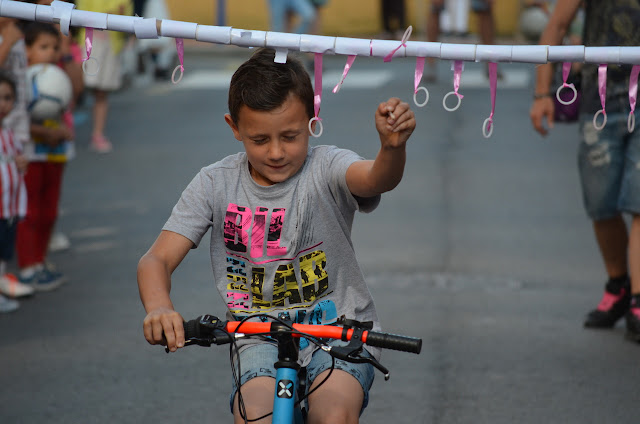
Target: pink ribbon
{"points": [[566, 70], [633, 87], [347, 67], [403, 43], [317, 98], [633, 96], [418, 74], [602, 90], [602, 85], [88, 42], [180, 49], [458, 67], [493, 84]]}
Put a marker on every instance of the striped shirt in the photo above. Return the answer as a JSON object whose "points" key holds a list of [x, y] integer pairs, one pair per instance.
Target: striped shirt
{"points": [[13, 193]]}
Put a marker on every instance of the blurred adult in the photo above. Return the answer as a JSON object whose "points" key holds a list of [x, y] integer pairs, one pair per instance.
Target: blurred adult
{"points": [[107, 49], [607, 158]]}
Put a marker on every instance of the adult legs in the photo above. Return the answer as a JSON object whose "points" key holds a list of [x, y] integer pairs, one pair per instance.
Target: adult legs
{"points": [[486, 28], [307, 13], [278, 10], [100, 112], [433, 32], [634, 254], [612, 239]]}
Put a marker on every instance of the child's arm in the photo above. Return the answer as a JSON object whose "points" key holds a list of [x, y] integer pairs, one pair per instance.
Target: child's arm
{"points": [[162, 325], [21, 163], [10, 34], [395, 122]]}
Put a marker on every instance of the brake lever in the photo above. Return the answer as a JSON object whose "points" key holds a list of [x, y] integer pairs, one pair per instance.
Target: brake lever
{"points": [[191, 342], [352, 351]]}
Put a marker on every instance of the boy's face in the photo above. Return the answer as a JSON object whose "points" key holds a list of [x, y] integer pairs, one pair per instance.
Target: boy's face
{"points": [[7, 99], [43, 50], [276, 141]]}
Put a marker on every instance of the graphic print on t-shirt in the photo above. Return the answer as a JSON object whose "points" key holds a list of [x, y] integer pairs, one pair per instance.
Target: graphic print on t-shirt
{"points": [[253, 248]]}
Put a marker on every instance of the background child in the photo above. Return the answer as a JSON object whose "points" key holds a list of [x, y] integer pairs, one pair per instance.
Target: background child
{"points": [[70, 60], [13, 59], [13, 196], [280, 213], [48, 153]]}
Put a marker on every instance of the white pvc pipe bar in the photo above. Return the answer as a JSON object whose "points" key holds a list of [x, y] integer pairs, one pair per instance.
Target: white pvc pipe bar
{"points": [[65, 14]]}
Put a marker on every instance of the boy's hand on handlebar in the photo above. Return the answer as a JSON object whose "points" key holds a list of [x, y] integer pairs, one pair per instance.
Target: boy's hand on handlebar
{"points": [[395, 122], [164, 326]]}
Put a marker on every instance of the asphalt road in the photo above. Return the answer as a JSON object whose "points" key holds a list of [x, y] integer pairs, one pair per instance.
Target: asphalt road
{"points": [[483, 251]]}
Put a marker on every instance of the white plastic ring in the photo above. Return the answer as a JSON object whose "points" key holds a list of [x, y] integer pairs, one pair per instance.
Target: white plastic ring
{"points": [[444, 101], [488, 123], [318, 124], [84, 66], [631, 122], [573, 99], [407, 34], [173, 75], [415, 97], [595, 119]]}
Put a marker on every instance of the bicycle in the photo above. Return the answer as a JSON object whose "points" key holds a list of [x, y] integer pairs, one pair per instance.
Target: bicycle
{"points": [[208, 329]]}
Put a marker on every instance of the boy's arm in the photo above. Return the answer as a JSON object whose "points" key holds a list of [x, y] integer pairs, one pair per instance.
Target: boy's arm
{"points": [[395, 122], [162, 325]]}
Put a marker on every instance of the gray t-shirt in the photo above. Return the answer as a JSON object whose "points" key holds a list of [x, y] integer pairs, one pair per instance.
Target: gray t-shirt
{"points": [[282, 249]]}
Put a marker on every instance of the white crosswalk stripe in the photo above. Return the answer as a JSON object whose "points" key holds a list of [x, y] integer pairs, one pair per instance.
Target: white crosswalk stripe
{"points": [[511, 79]]}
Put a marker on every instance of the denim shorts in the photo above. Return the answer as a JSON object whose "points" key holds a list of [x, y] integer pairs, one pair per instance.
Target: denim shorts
{"points": [[258, 360], [609, 165]]}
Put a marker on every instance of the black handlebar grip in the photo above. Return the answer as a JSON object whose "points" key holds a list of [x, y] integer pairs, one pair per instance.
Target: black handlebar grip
{"points": [[395, 342], [192, 329]]}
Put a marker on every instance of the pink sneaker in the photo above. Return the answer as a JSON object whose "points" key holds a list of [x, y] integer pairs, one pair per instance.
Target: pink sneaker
{"points": [[100, 144]]}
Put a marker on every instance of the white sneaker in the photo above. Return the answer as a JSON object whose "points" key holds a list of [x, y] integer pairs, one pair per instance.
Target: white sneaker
{"points": [[59, 242], [8, 305], [12, 287]]}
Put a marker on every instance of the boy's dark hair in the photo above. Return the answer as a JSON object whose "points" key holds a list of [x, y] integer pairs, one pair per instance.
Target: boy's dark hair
{"points": [[6, 78], [261, 84], [34, 29]]}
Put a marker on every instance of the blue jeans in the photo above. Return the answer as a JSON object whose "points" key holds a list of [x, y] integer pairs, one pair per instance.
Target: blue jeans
{"points": [[609, 164], [302, 8], [258, 360]]}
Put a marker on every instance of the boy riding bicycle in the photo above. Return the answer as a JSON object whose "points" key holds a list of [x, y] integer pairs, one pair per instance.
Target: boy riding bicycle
{"points": [[280, 215]]}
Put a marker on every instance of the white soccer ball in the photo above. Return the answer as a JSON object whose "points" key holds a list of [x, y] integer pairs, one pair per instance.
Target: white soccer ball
{"points": [[49, 91], [533, 20]]}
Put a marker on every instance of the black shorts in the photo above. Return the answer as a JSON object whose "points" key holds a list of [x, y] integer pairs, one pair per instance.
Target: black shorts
{"points": [[8, 229]]}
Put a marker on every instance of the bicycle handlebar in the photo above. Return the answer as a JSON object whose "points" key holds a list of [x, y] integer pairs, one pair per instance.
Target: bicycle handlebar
{"points": [[218, 332]]}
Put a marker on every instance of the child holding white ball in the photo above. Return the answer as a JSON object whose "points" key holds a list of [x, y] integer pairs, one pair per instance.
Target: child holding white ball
{"points": [[50, 148]]}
